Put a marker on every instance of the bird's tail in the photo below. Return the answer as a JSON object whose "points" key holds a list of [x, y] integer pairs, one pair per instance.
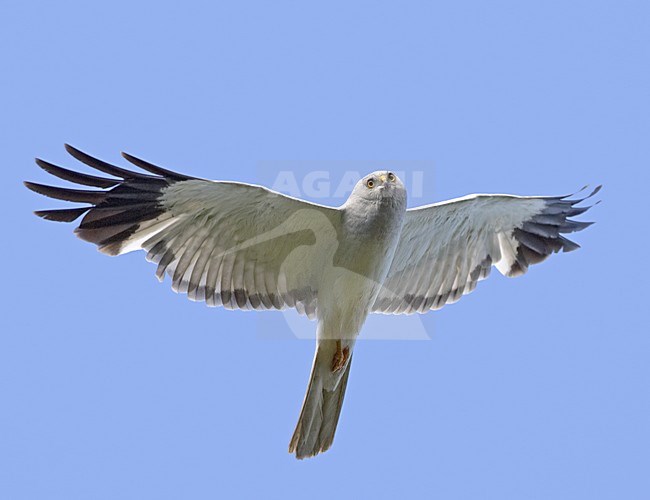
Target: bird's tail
{"points": [[322, 405]]}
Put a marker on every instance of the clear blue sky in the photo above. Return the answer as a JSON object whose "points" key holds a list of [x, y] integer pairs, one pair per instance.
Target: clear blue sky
{"points": [[114, 387]]}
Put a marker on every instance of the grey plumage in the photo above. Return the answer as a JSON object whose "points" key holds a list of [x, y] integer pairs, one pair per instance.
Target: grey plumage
{"points": [[245, 247]]}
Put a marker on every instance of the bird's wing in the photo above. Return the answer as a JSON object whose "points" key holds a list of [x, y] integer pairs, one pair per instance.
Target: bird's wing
{"points": [[225, 243], [446, 248]]}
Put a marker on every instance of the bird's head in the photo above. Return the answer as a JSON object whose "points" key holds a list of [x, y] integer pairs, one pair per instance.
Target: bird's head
{"points": [[379, 187]]}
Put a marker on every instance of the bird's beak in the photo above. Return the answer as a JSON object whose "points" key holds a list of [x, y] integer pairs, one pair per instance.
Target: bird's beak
{"points": [[383, 178]]}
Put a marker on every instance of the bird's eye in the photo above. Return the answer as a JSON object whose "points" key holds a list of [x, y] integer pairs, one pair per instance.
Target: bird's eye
{"points": [[370, 183], [391, 176]]}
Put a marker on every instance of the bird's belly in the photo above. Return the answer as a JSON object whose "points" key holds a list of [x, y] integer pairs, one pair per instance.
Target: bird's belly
{"points": [[350, 287], [345, 303]]}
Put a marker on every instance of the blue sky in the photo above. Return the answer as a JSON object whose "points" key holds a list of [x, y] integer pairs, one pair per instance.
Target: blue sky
{"points": [[113, 387]]}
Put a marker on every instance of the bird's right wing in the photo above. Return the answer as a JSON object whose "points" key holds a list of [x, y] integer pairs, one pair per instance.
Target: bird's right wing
{"points": [[446, 248], [225, 243]]}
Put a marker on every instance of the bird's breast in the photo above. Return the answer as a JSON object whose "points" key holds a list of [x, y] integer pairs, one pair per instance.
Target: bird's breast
{"points": [[368, 240], [367, 244]]}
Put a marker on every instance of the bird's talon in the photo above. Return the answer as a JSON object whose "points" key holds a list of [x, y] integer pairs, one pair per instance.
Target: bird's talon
{"points": [[340, 357]]}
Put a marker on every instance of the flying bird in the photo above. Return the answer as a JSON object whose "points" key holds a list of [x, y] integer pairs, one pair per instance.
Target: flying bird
{"points": [[243, 246]]}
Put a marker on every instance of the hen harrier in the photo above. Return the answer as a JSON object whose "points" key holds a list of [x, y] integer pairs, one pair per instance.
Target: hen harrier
{"points": [[243, 246]]}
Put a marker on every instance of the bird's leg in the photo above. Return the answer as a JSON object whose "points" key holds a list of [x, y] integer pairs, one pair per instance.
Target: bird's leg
{"points": [[340, 357]]}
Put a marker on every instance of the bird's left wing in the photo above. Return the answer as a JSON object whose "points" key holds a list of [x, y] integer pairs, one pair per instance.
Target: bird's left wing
{"points": [[446, 248], [226, 243]]}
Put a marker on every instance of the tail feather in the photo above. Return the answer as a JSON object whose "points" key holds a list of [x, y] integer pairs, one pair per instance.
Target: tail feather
{"points": [[321, 408]]}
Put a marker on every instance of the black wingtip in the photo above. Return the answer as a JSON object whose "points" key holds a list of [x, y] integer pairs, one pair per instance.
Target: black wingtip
{"points": [[32, 186], [578, 200], [62, 215], [155, 169], [595, 191], [581, 189], [568, 245], [76, 177], [103, 166], [77, 154], [74, 195], [72, 150]]}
